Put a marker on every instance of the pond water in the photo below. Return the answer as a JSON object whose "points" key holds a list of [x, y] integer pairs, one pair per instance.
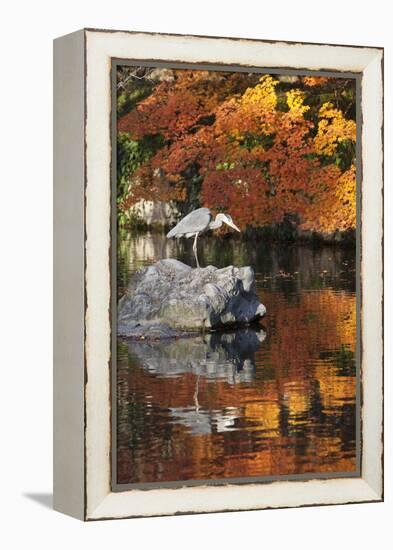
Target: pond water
{"points": [[277, 399]]}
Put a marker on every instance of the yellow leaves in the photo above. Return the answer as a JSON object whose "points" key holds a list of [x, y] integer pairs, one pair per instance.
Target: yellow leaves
{"points": [[253, 112], [263, 94], [347, 185], [295, 99], [333, 128], [346, 194]]}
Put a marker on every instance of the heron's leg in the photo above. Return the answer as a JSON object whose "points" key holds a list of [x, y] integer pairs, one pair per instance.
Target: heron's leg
{"points": [[195, 249]]}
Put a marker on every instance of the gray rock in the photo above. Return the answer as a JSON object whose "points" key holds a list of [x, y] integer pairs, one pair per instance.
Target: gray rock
{"points": [[169, 298], [219, 355]]}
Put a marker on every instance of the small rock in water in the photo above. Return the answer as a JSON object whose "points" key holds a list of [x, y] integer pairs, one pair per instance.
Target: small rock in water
{"points": [[169, 298]]}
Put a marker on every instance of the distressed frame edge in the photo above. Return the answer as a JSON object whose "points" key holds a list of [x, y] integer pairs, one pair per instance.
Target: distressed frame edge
{"points": [[373, 490], [361, 492]]}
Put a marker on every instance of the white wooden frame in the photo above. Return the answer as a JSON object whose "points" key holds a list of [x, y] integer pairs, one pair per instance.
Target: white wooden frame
{"points": [[82, 382]]}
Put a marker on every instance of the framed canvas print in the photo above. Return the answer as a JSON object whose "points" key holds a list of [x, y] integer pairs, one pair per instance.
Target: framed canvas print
{"points": [[218, 274]]}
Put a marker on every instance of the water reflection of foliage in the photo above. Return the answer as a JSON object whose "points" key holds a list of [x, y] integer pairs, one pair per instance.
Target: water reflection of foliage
{"points": [[297, 416]]}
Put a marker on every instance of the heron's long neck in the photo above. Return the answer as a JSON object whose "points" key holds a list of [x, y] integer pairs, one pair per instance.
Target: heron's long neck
{"points": [[215, 224]]}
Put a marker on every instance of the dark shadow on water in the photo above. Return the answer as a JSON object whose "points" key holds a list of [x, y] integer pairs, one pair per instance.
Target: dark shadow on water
{"points": [[45, 499]]}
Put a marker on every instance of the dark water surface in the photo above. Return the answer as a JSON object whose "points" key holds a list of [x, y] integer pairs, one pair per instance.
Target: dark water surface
{"points": [[279, 399]]}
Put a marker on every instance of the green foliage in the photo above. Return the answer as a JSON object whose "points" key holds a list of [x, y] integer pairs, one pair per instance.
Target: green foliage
{"points": [[345, 154], [225, 166], [130, 155], [253, 140], [126, 101], [131, 221]]}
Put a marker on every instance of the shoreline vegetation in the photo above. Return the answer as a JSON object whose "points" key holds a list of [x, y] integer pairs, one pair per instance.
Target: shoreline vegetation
{"points": [[285, 232], [277, 152]]}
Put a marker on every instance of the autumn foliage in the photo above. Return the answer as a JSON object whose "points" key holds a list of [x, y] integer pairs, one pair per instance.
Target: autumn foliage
{"points": [[257, 147]]}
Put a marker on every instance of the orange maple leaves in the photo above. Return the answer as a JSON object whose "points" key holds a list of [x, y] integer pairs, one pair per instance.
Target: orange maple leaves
{"points": [[254, 157]]}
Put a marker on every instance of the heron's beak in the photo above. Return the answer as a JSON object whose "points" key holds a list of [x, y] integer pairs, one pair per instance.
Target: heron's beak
{"points": [[231, 224]]}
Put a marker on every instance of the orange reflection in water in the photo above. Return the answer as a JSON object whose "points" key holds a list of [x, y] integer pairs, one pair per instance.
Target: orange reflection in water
{"points": [[285, 404]]}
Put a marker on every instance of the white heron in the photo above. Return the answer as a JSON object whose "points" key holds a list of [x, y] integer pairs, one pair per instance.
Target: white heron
{"points": [[196, 222]]}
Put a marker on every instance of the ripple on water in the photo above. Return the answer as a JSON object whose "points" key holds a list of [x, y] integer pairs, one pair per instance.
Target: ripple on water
{"points": [[280, 400]]}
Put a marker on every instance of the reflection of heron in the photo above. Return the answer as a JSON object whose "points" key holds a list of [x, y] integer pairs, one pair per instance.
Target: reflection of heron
{"points": [[196, 222], [196, 395]]}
